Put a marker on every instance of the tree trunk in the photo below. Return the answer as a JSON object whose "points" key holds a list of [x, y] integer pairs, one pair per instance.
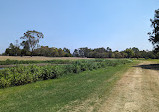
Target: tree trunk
{"points": [[31, 52]]}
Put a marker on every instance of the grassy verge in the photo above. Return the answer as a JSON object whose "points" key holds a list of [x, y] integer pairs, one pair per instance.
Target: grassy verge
{"points": [[142, 59], [53, 95], [153, 60]]}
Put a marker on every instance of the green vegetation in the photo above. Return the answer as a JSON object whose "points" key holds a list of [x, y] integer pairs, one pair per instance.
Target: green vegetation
{"points": [[81, 52], [31, 48], [66, 84], [11, 62], [154, 35], [20, 75], [14, 50], [67, 91], [31, 40], [108, 53]]}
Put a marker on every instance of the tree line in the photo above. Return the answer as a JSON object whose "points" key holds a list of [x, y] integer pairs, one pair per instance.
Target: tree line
{"points": [[30, 47], [108, 53], [15, 50]]}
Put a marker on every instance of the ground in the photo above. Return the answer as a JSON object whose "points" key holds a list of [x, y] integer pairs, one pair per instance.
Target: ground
{"points": [[131, 90], [137, 91]]}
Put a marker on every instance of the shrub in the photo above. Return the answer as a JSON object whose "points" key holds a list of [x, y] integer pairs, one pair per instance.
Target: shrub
{"points": [[11, 62], [21, 74]]}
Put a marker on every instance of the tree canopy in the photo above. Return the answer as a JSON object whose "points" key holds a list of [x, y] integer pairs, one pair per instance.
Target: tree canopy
{"points": [[31, 39], [154, 35]]}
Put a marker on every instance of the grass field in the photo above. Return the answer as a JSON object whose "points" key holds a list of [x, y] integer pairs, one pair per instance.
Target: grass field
{"points": [[37, 58], [82, 90]]}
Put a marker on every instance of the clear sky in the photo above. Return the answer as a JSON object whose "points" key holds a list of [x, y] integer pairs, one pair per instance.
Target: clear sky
{"points": [[118, 24]]}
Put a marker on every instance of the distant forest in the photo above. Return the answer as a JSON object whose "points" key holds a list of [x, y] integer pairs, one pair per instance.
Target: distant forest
{"points": [[15, 50], [30, 47]]}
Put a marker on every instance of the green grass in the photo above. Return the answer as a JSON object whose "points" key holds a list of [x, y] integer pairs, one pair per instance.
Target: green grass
{"points": [[151, 60], [52, 95]]}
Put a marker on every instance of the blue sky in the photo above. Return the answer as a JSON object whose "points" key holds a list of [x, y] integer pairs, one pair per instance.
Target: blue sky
{"points": [[119, 24]]}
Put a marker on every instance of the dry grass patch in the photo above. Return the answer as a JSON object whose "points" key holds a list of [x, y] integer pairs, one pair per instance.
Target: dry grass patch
{"points": [[38, 58]]}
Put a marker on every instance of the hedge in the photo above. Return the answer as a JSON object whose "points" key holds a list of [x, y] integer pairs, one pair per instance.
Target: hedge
{"points": [[21, 75]]}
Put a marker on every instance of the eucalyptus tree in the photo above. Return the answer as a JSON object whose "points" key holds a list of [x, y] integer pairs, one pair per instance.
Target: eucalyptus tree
{"points": [[31, 38]]}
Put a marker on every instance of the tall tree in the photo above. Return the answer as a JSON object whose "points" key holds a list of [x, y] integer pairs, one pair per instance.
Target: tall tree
{"points": [[130, 53], [76, 53], [108, 49], [67, 52], [13, 50], [154, 35], [25, 51], [84, 51], [32, 39]]}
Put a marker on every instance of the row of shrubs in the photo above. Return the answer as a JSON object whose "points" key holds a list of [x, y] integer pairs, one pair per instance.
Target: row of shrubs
{"points": [[21, 75], [11, 62]]}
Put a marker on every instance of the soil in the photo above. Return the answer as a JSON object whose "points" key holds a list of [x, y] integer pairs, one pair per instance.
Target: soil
{"points": [[137, 91]]}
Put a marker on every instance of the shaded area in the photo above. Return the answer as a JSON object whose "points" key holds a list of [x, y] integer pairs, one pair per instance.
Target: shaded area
{"points": [[149, 66]]}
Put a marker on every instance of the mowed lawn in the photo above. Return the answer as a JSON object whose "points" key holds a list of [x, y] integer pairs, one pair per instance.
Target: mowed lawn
{"points": [[64, 93], [38, 58]]}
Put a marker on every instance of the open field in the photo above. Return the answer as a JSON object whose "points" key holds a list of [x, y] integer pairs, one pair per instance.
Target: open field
{"points": [[38, 58], [71, 92], [130, 87], [79, 56]]}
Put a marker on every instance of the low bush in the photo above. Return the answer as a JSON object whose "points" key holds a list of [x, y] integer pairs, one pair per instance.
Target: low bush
{"points": [[21, 75], [11, 62]]}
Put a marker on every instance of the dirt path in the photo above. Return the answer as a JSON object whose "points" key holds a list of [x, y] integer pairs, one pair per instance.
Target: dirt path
{"points": [[137, 91]]}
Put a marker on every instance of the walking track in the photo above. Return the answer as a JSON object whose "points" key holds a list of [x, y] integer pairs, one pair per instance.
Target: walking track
{"points": [[136, 91]]}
